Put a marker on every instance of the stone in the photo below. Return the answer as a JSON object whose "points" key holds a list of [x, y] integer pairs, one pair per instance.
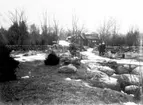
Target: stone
{"points": [[106, 70], [65, 61], [96, 66], [67, 69], [106, 82], [76, 62], [97, 74], [128, 79], [131, 89], [138, 70], [94, 73], [92, 65], [117, 76], [112, 64], [122, 70]]}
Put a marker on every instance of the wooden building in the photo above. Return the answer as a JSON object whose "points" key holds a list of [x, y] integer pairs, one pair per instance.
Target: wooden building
{"points": [[84, 39]]}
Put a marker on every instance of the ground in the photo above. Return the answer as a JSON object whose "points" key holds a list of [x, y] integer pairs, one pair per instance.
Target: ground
{"points": [[43, 85]]}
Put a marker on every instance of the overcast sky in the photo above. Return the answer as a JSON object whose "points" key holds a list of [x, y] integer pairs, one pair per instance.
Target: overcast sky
{"points": [[91, 13]]}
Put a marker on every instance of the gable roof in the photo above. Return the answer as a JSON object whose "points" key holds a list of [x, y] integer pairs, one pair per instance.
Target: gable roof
{"points": [[91, 36]]}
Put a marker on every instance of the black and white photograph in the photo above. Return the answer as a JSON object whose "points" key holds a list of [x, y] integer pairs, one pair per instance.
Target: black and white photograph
{"points": [[71, 52]]}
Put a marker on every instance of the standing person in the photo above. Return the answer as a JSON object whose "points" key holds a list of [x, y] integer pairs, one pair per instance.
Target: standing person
{"points": [[99, 49], [103, 48]]}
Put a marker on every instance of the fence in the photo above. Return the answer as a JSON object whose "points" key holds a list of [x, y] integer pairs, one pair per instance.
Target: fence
{"points": [[46, 48], [28, 47]]}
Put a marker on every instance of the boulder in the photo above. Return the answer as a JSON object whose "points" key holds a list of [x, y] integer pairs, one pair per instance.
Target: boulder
{"points": [[132, 89], [96, 66], [67, 69], [88, 73], [92, 65], [106, 82], [130, 66], [122, 70], [112, 64], [67, 54], [138, 70], [106, 70], [117, 76], [65, 61], [128, 79], [76, 62], [96, 73]]}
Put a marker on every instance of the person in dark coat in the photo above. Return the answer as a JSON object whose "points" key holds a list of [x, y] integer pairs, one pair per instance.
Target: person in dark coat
{"points": [[99, 49], [103, 48]]}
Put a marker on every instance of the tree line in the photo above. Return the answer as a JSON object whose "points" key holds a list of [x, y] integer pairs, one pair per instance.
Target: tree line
{"points": [[19, 33]]}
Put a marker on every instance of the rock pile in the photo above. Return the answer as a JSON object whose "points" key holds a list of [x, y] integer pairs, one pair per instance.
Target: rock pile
{"points": [[116, 76]]}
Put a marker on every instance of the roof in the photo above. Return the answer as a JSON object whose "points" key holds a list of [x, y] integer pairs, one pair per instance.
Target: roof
{"points": [[86, 36], [91, 36]]}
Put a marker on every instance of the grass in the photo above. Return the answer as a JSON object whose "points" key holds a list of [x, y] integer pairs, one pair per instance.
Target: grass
{"points": [[48, 87]]}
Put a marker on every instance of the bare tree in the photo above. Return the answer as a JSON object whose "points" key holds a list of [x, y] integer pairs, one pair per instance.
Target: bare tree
{"points": [[50, 32], [77, 30], [63, 34], [56, 26], [132, 36], [17, 16], [107, 30]]}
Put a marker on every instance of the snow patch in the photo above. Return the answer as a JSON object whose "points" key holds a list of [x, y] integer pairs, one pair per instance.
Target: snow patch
{"points": [[63, 43], [25, 77], [130, 103], [22, 58], [68, 79], [87, 85], [96, 58]]}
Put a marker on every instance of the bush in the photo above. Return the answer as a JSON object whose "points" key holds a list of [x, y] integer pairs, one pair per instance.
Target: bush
{"points": [[52, 59], [7, 65]]}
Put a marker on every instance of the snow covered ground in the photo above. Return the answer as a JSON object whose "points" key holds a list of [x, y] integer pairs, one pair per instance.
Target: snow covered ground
{"points": [[21, 58], [91, 57], [95, 58]]}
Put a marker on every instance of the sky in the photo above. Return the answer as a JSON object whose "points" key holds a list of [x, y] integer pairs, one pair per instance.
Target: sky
{"points": [[90, 13]]}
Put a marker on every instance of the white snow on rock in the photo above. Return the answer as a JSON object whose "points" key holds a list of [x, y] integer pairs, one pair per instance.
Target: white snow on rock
{"points": [[25, 77], [138, 70], [68, 79], [129, 79], [67, 69], [106, 70], [106, 82]]}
